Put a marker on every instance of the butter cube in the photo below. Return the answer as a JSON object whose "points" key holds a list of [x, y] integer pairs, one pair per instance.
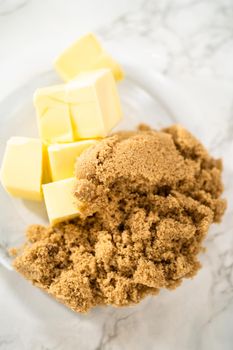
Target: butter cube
{"points": [[53, 115], [84, 55], [93, 104], [62, 158], [59, 200], [106, 61], [46, 167], [22, 168]]}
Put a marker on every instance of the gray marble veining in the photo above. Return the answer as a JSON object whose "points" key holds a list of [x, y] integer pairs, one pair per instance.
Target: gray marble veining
{"points": [[185, 37], [8, 7]]}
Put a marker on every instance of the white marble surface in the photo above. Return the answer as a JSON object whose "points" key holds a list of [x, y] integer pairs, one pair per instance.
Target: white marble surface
{"points": [[190, 41]]}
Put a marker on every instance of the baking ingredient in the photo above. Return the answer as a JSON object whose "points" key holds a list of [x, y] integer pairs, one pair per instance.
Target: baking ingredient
{"points": [[94, 104], [62, 157], [22, 168], [53, 115], [84, 55], [146, 200], [89, 104], [59, 200]]}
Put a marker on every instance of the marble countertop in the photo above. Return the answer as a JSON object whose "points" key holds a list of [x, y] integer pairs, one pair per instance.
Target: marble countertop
{"points": [[191, 42]]}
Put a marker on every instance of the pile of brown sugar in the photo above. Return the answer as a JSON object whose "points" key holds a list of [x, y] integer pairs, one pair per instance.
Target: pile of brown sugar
{"points": [[147, 200]]}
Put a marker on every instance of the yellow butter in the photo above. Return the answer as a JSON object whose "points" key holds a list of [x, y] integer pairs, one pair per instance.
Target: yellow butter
{"points": [[106, 61], [53, 115], [59, 200], [84, 55], [62, 158], [93, 104], [22, 168], [46, 167]]}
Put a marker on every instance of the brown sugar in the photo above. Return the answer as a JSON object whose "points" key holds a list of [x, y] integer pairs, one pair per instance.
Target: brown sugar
{"points": [[147, 200]]}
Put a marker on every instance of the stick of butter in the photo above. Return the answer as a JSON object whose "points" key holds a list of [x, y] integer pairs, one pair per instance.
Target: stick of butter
{"points": [[22, 168], [62, 158], [84, 55], [59, 200], [89, 103]]}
